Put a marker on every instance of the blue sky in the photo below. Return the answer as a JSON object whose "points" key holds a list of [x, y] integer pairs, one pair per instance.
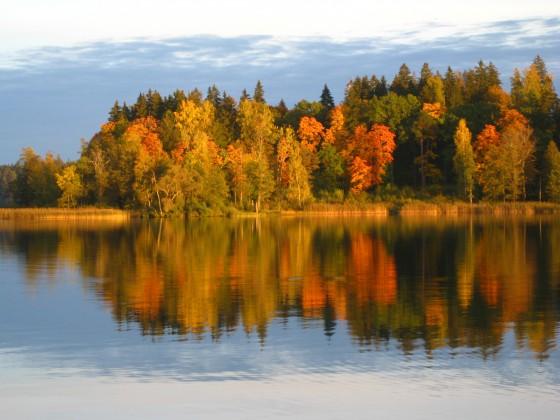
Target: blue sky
{"points": [[64, 62]]}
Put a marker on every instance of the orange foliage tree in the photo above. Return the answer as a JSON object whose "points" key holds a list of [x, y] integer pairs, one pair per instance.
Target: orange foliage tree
{"points": [[369, 153], [145, 130], [337, 126], [486, 139], [310, 133]]}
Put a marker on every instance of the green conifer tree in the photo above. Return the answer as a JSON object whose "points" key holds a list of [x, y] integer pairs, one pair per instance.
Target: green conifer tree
{"points": [[326, 99], [258, 94], [404, 82]]}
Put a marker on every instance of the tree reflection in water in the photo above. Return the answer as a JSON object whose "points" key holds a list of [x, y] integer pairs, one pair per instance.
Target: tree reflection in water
{"points": [[421, 283]]}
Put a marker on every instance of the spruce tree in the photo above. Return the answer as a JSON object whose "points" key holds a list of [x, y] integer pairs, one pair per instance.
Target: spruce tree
{"points": [[140, 109], [115, 112], [404, 82], [493, 75], [425, 75], [326, 98], [282, 108], [128, 111], [155, 104], [381, 89], [258, 94], [244, 96], [213, 95], [454, 95], [195, 95]]}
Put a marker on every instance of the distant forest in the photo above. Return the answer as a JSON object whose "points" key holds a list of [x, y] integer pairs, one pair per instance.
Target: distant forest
{"points": [[459, 135]]}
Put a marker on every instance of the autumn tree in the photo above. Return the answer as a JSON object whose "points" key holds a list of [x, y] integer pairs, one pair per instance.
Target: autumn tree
{"points": [[142, 133], [433, 91], [152, 165], [486, 139], [533, 94], [200, 157], [369, 154], [335, 134], [486, 144], [36, 179], [330, 173], [7, 183], [292, 173], [505, 169], [95, 165], [552, 165], [70, 185], [236, 160], [463, 160], [310, 133], [260, 181], [258, 135]]}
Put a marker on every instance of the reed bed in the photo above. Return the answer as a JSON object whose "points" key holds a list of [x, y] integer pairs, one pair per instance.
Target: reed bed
{"points": [[381, 209], [85, 213], [460, 208], [338, 209]]}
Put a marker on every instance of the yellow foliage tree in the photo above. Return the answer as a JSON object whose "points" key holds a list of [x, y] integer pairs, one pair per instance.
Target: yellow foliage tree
{"points": [[70, 185]]}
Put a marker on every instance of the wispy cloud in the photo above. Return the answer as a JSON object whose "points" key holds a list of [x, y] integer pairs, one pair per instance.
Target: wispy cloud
{"points": [[266, 51]]}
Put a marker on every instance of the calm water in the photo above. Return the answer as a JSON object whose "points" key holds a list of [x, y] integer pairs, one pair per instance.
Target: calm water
{"points": [[324, 318]]}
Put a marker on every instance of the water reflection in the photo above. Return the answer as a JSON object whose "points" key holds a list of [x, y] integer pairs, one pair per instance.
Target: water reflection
{"points": [[415, 283]]}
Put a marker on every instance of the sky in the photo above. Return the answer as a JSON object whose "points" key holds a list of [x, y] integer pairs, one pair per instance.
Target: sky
{"points": [[64, 62], [29, 23]]}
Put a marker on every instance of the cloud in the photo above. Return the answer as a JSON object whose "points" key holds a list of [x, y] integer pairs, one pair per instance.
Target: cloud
{"points": [[269, 50]]}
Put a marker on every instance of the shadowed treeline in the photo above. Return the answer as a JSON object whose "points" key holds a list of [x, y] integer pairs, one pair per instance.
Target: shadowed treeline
{"points": [[421, 284]]}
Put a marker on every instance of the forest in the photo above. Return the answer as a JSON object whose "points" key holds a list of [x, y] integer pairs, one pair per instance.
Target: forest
{"points": [[458, 136]]}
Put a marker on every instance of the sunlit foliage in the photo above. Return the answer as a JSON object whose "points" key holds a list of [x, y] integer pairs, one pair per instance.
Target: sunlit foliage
{"points": [[196, 154]]}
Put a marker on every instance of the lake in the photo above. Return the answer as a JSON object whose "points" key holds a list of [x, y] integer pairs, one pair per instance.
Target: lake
{"points": [[277, 317]]}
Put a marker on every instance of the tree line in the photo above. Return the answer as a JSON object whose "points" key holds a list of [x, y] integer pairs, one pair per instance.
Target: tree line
{"points": [[456, 134]]}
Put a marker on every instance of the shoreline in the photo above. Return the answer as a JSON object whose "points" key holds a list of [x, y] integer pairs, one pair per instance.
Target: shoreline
{"points": [[407, 209]]}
